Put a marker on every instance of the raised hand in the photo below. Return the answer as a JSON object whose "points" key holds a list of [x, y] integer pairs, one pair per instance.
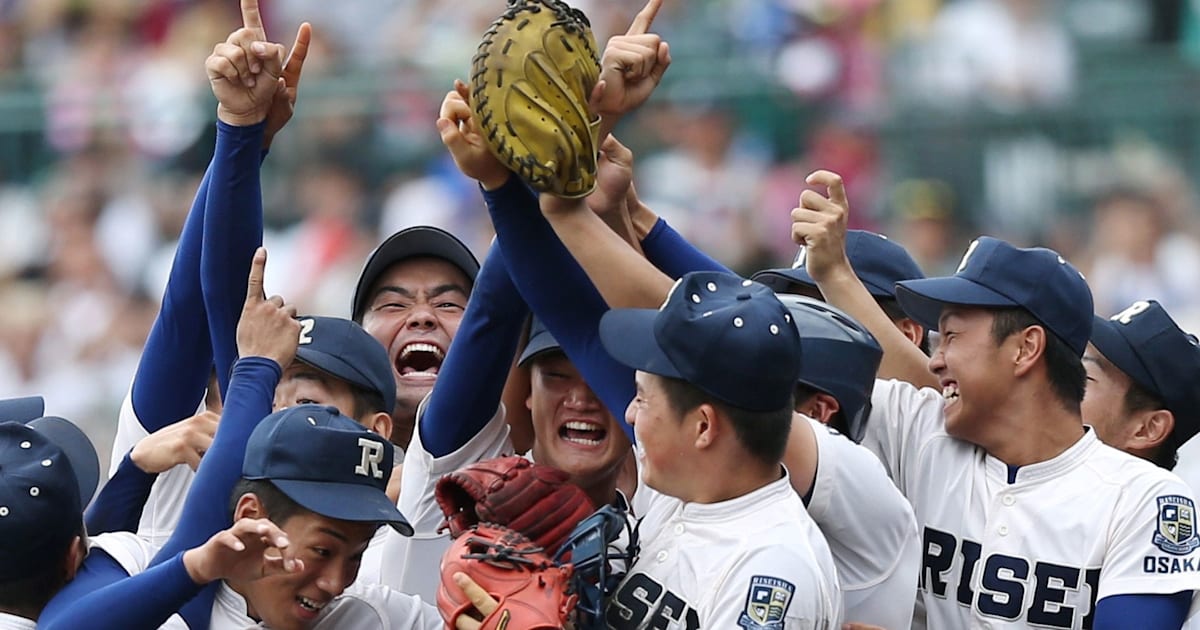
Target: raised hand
{"points": [[819, 224], [283, 104], [613, 178], [245, 71], [633, 65], [464, 141], [250, 550], [184, 442], [268, 328]]}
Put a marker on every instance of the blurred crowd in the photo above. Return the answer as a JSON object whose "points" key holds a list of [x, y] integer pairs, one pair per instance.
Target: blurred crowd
{"points": [[106, 126]]}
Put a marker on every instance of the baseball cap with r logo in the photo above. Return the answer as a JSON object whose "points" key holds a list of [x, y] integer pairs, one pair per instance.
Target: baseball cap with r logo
{"points": [[327, 463]]}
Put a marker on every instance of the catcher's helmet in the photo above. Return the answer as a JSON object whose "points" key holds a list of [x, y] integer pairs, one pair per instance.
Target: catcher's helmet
{"points": [[602, 548], [841, 358]]}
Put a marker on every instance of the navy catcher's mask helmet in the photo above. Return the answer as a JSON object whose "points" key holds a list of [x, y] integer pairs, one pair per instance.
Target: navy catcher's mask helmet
{"points": [[841, 358]]}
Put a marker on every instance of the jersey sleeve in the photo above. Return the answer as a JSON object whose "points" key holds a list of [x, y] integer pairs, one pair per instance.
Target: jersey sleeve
{"points": [[107, 597], [871, 531], [1154, 549], [773, 587], [903, 418]]}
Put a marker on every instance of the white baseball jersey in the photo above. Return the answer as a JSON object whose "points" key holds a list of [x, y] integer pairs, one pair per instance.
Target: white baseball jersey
{"points": [[165, 503], [361, 607], [756, 561], [412, 564], [13, 622], [870, 528], [1041, 549]]}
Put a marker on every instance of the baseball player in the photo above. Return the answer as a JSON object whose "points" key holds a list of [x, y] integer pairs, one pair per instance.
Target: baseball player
{"points": [[726, 540], [1000, 457], [49, 471], [1142, 372]]}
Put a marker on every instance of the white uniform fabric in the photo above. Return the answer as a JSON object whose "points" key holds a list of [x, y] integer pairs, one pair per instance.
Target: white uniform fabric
{"points": [[165, 504], [871, 531], [756, 561], [1091, 523], [412, 564], [361, 607], [13, 622]]}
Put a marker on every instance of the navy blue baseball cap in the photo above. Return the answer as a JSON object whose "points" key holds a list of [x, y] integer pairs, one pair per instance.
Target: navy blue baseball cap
{"points": [[729, 337], [327, 463], [877, 261], [1149, 347], [22, 409], [342, 348], [841, 358], [42, 494], [995, 274], [411, 242], [540, 342]]}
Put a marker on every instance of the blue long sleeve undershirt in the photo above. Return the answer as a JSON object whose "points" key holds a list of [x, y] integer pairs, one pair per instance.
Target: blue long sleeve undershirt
{"points": [[1162, 612], [119, 505], [471, 380], [233, 229], [103, 597], [674, 255], [558, 291]]}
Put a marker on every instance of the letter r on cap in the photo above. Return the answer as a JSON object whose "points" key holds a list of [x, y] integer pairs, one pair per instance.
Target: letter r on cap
{"points": [[372, 457]]}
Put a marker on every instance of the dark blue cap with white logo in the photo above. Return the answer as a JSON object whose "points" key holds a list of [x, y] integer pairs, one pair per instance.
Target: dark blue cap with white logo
{"points": [[419, 241], [327, 463], [877, 261], [342, 348], [995, 274], [48, 472], [540, 342], [729, 337], [1149, 347]]}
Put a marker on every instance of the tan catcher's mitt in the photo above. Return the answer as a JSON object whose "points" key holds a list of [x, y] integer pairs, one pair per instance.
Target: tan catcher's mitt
{"points": [[530, 83]]}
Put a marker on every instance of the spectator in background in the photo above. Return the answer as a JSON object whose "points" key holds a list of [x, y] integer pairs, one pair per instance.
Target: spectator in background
{"points": [[924, 220], [1138, 254]]}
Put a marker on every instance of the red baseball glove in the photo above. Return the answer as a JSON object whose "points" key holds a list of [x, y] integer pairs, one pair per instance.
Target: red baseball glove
{"points": [[533, 499], [530, 589]]}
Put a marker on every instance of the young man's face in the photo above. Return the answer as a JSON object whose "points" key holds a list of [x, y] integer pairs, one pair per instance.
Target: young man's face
{"points": [[971, 368], [573, 430], [414, 311], [332, 551], [1103, 404], [662, 442], [304, 384]]}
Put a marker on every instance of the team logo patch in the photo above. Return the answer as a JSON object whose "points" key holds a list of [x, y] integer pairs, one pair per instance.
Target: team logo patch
{"points": [[1176, 525], [766, 603]]}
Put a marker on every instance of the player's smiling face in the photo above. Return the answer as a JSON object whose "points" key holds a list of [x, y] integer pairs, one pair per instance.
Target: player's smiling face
{"points": [[662, 443], [414, 311], [332, 552], [1103, 404], [971, 368], [573, 431]]}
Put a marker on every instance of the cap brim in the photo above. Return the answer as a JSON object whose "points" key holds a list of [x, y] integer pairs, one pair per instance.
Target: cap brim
{"points": [[924, 299], [334, 365], [539, 344], [22, 409], [345, 502], [1112, 344], [422, 240], [78, 449], [779, 280], [628, 336]]}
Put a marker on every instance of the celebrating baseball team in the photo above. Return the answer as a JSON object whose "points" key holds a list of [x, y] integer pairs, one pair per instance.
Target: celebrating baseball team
{"points": [[600, 426]]}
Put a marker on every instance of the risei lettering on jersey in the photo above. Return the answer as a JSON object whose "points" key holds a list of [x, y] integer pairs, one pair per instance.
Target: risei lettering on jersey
{"points": [[644, 603], [1045, 594]]}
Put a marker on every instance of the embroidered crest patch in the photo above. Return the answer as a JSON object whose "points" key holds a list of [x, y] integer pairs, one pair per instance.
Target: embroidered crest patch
{"points": [[1176, 533], [766, 603]]}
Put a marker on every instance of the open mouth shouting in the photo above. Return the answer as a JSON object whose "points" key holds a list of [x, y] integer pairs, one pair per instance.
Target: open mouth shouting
{"points": [[950, 392], [419, 360], [583, 433], [310, 609]]}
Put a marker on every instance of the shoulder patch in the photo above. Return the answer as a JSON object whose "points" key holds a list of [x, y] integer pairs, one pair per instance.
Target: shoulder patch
{"points": [[1176, 531], [766, 603]]}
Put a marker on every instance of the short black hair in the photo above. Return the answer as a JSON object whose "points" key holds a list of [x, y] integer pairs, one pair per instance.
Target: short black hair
{"points": [[28, 595], [763, 434], [891, 308], [278, 506], [366, 401], [1064, 366], [1138, 398], [804, 392]]}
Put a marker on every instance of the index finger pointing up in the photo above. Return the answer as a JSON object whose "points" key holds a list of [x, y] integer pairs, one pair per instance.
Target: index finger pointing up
{"points": [[254, 285], [644, 18], [252, 19]]}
